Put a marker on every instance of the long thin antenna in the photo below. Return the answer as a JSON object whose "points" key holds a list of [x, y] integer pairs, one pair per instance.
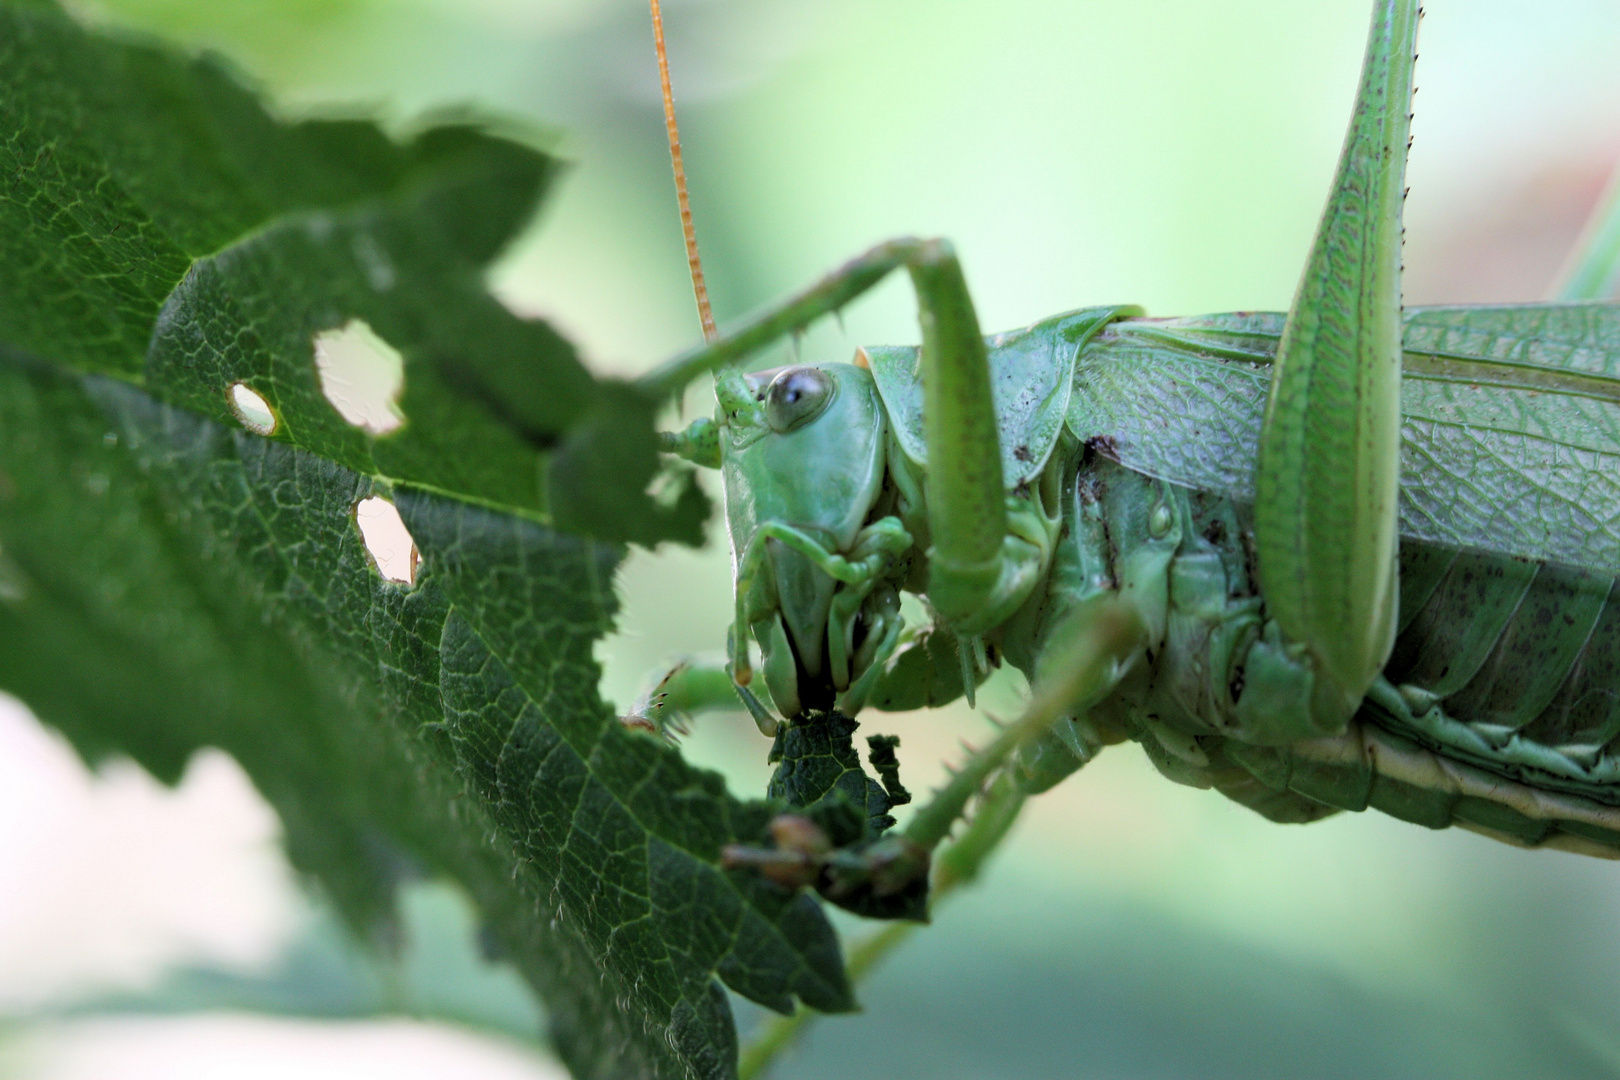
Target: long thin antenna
{"points": [[693, 263]]}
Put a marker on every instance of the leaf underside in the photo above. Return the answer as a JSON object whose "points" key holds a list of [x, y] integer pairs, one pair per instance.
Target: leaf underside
{"points": [[169, 580]]}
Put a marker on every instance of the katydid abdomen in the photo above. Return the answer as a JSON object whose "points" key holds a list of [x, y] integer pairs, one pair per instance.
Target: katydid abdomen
{"points": [[1499, 702]]}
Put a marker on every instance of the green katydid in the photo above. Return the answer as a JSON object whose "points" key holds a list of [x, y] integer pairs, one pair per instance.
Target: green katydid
{"points": [[1244, 541]]}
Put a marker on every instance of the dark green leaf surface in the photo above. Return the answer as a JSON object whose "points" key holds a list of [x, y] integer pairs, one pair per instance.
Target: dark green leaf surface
{"points": [[818, 771], [169, 580], [819, 774], [159, 227]]}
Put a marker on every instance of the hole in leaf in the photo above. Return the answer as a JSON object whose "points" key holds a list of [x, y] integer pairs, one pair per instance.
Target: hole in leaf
{"points": [[250, 409], [361, 375], [387, 540]]}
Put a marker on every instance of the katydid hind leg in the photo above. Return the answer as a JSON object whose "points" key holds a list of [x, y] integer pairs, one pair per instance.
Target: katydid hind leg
{"points": [[1328, 475]]}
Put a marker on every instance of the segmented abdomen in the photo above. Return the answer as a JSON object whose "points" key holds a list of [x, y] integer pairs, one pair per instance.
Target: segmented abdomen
{"points": [[1499, 709], [1511, 664]]}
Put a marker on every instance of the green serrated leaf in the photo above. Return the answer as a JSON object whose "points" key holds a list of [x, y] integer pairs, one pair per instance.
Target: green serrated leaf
{"points": [[183, 585], [171, 580], [881, 752], [161, 228]]}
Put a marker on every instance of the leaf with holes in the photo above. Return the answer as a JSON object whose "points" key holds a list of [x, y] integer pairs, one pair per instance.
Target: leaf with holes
{"points": [[224, 520], [161, 229]]}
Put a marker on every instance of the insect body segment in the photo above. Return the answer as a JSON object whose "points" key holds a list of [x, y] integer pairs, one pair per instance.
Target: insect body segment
{"points": [[1030, 376], [828, 500]]}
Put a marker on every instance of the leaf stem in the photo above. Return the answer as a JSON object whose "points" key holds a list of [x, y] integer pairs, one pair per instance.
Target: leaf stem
{"points": [[782, 1032], [1594, 269]]}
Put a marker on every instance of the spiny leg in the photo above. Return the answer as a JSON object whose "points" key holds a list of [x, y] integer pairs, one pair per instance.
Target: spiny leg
{"points": [[958, 864], [1097, 645], [1328, 476], [1085, 659], [683, 690], [759, 331]]}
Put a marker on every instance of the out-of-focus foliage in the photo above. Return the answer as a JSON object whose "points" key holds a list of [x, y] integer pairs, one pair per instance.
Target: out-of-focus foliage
{"points": [[217, 243]]}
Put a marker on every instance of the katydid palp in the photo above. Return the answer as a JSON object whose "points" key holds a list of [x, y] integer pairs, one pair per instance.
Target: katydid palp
{"points": [[1320, 585]]}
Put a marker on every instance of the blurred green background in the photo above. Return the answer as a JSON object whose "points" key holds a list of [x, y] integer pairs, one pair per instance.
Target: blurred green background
{"points": [[1172, 153]]}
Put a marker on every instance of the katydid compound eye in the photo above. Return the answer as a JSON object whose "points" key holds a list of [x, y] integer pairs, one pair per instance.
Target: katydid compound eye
{"points": [[795, 397]]}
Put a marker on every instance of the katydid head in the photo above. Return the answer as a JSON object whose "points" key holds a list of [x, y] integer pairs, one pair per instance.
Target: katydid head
{"points": [[802, 456], [802, 446]]}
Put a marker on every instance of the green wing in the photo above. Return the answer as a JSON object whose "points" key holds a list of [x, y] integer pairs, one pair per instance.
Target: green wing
{"points": [[1512, 417], [1510, 425]]}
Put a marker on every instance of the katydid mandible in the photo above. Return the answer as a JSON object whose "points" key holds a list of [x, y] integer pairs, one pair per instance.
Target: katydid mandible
{"points": [[1352, 556]]}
